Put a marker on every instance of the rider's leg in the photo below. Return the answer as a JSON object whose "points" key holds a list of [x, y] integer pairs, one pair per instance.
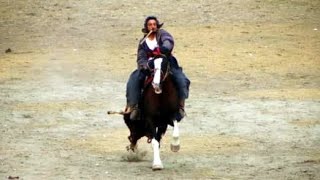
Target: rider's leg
{"points": [[183, 84], [181, 112], [133, 93]]}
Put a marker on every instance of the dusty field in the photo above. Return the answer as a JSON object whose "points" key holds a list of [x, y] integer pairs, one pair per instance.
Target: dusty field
{"points": [[254, 106]]}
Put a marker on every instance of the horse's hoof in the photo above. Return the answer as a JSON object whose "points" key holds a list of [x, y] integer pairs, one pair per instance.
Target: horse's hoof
{"points": [[175, 144], [131, 148], [175, 148], [157, 167]]}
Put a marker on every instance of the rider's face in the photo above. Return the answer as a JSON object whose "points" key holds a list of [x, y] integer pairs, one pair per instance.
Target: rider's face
{"points": [[152, 25]]}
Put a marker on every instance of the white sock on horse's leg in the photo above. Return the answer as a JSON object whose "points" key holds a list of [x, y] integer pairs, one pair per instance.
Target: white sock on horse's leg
{"points": [[175, 129], [157, 164], [175, 143]]}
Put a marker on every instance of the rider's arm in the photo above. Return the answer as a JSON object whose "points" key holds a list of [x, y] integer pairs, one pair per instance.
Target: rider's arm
{"points": [[166, 41], [142, 58]]}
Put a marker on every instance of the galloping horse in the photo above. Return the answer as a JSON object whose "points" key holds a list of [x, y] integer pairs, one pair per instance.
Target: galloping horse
{"points": [[159, 106]]}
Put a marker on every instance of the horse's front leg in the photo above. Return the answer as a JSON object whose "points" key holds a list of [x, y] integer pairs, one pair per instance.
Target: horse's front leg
{"points": [[157, 164], [155, 142], [175, 143], [160, 132]]}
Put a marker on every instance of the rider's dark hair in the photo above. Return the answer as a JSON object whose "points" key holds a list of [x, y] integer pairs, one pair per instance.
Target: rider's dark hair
{"points": [[145, 28]]}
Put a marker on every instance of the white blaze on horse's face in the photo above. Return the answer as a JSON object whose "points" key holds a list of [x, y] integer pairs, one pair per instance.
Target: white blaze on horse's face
{"points": [[157, 76]]}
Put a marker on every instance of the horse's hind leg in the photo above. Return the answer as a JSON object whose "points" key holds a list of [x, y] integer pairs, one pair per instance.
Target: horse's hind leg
{"points": [[133, 143], [175, 143], [133, 138]]}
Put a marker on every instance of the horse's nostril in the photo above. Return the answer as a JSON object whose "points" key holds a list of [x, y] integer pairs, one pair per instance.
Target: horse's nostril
{"points": [[158, 90]]}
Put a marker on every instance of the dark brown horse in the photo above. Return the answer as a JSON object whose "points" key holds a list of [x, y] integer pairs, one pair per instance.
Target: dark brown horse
{"points": [[159, 106]]}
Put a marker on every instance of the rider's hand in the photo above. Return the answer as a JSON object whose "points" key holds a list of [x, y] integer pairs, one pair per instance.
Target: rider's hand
{"points": [[164, 50], [150, 65]]}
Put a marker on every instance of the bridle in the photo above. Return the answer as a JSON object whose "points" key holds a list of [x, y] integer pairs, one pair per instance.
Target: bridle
{"points": [[157, 80]]}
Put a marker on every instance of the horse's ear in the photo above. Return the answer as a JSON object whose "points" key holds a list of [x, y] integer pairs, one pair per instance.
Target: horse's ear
{"points": [[144, 30]]}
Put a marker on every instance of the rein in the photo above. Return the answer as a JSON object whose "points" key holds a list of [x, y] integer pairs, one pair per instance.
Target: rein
{"points": [[164, 75], [167, 72]]}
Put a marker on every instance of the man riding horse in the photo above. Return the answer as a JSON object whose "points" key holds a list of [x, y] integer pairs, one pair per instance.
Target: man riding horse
{"points": [[156, 42]]}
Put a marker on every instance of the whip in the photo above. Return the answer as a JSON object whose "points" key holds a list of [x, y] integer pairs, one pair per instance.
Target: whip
{"points": [[146, 37]]}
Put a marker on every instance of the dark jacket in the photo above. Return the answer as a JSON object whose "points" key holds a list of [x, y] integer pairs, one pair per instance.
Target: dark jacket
{"points": [[164, 39]]}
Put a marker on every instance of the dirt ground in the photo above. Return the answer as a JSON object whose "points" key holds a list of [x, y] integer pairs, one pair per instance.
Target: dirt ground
{"points": [[254, 105]]}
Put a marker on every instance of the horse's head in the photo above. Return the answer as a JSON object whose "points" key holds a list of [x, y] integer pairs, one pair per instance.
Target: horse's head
{"points": [[161, 69]]}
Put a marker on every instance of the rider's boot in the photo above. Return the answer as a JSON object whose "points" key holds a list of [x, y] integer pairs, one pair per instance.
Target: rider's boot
{"points": [[133, 110], [181, 112]]}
